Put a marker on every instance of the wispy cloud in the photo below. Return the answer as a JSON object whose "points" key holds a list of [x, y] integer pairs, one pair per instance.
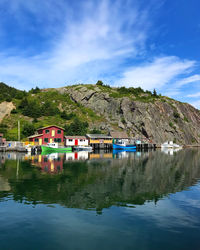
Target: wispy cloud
{"points": [[190, 79], [157, 73], [194, 95], [96, 37]]}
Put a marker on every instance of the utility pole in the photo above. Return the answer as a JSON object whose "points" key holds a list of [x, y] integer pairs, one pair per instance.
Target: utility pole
{"points": [[18, 130]]}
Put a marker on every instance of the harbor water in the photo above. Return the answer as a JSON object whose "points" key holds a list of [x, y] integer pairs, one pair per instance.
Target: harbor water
{"points": [[104, 200]]}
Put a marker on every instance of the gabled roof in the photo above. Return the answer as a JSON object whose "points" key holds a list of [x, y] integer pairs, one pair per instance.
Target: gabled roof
{"points": [[98, 136], [75, 137], [49, 127], [119, 135], [32, 136]]}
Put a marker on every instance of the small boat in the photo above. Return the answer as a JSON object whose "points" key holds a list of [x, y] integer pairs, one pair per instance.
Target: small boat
{"points": [[123, 145], [54, 148], [83, 148]]}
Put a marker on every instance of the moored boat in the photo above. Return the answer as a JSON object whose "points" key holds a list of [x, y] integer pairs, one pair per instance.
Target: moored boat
{"points": [[54, 148], [170, 145], [124, 146]]}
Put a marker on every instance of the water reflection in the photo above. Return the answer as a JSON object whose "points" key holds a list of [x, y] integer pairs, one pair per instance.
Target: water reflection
{"points": [[97, 180], [170, 151]]}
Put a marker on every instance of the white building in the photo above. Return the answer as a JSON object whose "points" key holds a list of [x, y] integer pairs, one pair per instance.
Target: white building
{"points": [[76, 141]]}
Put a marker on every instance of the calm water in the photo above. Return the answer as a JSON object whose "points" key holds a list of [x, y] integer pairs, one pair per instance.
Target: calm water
{"points": [[100, 201]]}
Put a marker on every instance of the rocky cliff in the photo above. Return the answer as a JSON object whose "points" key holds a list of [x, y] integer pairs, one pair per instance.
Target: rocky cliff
{"points": [[158, 119]]}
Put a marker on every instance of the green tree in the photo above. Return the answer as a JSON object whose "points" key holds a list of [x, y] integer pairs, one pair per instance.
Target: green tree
{"points": [[155, 93], [99, 82], [95, 131], [66, 116], [28, 129], [77, 127]]}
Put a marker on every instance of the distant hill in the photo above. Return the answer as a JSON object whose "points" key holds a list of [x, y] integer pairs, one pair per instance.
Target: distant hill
{"points": [[102, 108]]}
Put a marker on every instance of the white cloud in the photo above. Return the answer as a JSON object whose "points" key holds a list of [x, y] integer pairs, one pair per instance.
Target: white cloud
{"points": [[191, 79], [194, 95], [95, 40], [156, 74]]}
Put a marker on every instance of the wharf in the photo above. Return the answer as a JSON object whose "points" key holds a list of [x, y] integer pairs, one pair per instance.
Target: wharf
{"points": [[141, 146]]}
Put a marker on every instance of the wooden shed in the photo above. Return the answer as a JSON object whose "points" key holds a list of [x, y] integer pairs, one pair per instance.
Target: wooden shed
{"points": [[100, 141]]}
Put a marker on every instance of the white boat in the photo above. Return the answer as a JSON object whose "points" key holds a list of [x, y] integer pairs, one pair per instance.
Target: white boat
{"points": [[83, 148], [170, 144]]}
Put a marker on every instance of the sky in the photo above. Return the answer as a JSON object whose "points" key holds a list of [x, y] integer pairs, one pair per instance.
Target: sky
{"points": [[133, 43]]}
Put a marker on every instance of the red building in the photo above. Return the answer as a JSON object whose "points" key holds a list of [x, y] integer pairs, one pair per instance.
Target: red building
{"points": [[48, 134]]}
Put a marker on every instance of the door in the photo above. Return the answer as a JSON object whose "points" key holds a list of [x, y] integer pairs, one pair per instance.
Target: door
{"points": [[76, 142], [53, 132], [40, 141], [51, 140]]}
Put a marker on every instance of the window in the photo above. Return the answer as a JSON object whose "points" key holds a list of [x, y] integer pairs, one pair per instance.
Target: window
{"points": [[82, 140], [36, 139], [57, 139], [46, 139], [70, 140], [47, 131], [45, 159], [59, 131]]}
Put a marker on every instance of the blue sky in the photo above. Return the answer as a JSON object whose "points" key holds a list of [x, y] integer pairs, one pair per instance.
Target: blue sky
{"points": [[151, 44]]}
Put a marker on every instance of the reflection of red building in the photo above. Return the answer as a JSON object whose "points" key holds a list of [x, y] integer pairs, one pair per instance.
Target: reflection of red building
{"points": [[48, 134], [49, 163]]}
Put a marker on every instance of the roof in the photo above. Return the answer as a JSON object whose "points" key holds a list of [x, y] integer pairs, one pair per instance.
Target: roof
{"points": [[50, 126], [119, 135], [32, 136], [98, 136], [75, 137]]}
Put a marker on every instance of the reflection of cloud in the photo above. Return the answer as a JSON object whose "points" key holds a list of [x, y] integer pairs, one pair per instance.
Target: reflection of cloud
{"points": [[171, 213]]}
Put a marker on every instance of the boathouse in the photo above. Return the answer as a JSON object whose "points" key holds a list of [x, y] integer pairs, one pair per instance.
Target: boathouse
{"points": [[76, 141], [99, 141], [48, 134], [119, 136]]}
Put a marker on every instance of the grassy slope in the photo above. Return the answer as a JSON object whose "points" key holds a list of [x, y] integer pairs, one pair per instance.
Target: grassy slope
{"points": [[61, 101]]}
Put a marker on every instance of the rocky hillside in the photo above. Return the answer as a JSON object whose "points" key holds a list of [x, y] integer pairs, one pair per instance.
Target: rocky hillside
{"points": [[158, 118], [140, 113]]}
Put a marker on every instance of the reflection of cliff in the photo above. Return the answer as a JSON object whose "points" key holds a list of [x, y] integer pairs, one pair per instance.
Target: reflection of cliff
{"points": [[4, 185], [100, 183]]}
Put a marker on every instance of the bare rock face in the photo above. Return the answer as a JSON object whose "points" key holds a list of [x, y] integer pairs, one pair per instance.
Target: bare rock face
{"points": [[5, 109], [160, 120]]}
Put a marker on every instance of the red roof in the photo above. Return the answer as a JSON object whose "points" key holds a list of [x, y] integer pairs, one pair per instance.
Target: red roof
{"points": [[75, 137], [50, 127], [33, 136]]}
